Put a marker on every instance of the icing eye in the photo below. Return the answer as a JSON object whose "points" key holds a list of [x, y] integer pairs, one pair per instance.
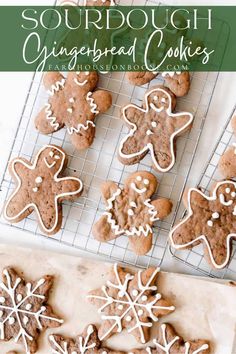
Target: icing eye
{"points": [[87, 73], [227, 190], [71, 100], [233, 194], [210, 223], [146, 181], [155, 98], [51, 153], [163, 100], [57, 157], [139, 178]]}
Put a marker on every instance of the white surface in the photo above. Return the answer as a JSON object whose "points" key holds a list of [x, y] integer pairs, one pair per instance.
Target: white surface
{"points": [[13, 91]]}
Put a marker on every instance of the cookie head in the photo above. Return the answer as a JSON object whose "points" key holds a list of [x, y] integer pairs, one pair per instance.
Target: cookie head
{"points": [[53, 158], [226, 193], [159, 100], [142, 183]]}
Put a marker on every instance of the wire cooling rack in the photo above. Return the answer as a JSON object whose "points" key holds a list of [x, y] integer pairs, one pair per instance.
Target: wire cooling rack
{"points": [[194, 257], [99, 162]]}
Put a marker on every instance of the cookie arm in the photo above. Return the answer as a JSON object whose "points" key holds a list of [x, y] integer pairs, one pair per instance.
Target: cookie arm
{"points": [[45, 122], [50, 78], [163, 207], [103, 100], [69, 188]]}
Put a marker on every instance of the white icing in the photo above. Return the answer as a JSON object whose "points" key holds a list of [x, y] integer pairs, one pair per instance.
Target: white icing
{"points": [[91, 103], [227, 190], [149, 146], [210, 223], [1, 313], [170, 73], [35, 189], [224, 202], [51, 153], [71, 100], [215, 215], [233, 194], [38, 179], [2, 299], [204, 237], [132, 304], [136, 189], [135, 292], [144, 230], [70, 110], [130, 212], [79, 82], [167, 345], [154, 124], [146, 181], [149, 132], [234, 145], [56, 87], [80, 126], [52, 119], [56, 179], [17, 310], [84, 345]]}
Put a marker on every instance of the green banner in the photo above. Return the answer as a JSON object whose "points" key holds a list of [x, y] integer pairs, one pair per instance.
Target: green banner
{"points": [[118, 38]]}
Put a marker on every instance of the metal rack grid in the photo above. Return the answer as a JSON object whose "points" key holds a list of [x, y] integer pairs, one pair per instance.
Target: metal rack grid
{"points": [[99, 162], [210, 175]]}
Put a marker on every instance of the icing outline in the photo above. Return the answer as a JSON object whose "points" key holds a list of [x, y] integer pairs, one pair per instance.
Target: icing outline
{"points": [[56, 179], [203, 237], [149, 146]]}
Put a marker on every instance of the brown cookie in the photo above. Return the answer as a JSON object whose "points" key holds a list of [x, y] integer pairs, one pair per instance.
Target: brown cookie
{"points": [[24, 310], [129, 301], [73, 103], [130, 211], [88, 342], [153, 128], [169, 342], [40, 187], [177, 82], [227, 162], [210, 220]]}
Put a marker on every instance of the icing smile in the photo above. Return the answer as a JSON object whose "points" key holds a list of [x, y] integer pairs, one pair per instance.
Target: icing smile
{"points": [[143, 190], [48, 164]]}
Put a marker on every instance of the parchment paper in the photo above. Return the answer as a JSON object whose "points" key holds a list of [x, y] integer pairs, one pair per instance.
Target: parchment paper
{"points": [[204, 309]]}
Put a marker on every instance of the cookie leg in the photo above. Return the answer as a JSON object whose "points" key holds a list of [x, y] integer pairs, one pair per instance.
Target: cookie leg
{"points": [[50, 216], [83, 139], [142, 244]]}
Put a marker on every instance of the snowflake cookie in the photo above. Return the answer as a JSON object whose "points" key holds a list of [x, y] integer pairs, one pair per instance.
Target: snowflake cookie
{"points": [[227, 162], [130, 211], [129, 301], [88, 342], [169, 342], [153, 128], [73, 103], [210, 220], [40, 187], [24, 312], [178, 82]]}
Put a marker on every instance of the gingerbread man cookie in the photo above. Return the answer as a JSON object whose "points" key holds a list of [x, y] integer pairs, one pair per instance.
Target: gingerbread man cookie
{"points": [[227, 162], [210, 220], [73, 103], [169, 342], [178, 82], [88, 342], [24, 312], [130, 211], [129, 301], [153, 128], [40, 187]]}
